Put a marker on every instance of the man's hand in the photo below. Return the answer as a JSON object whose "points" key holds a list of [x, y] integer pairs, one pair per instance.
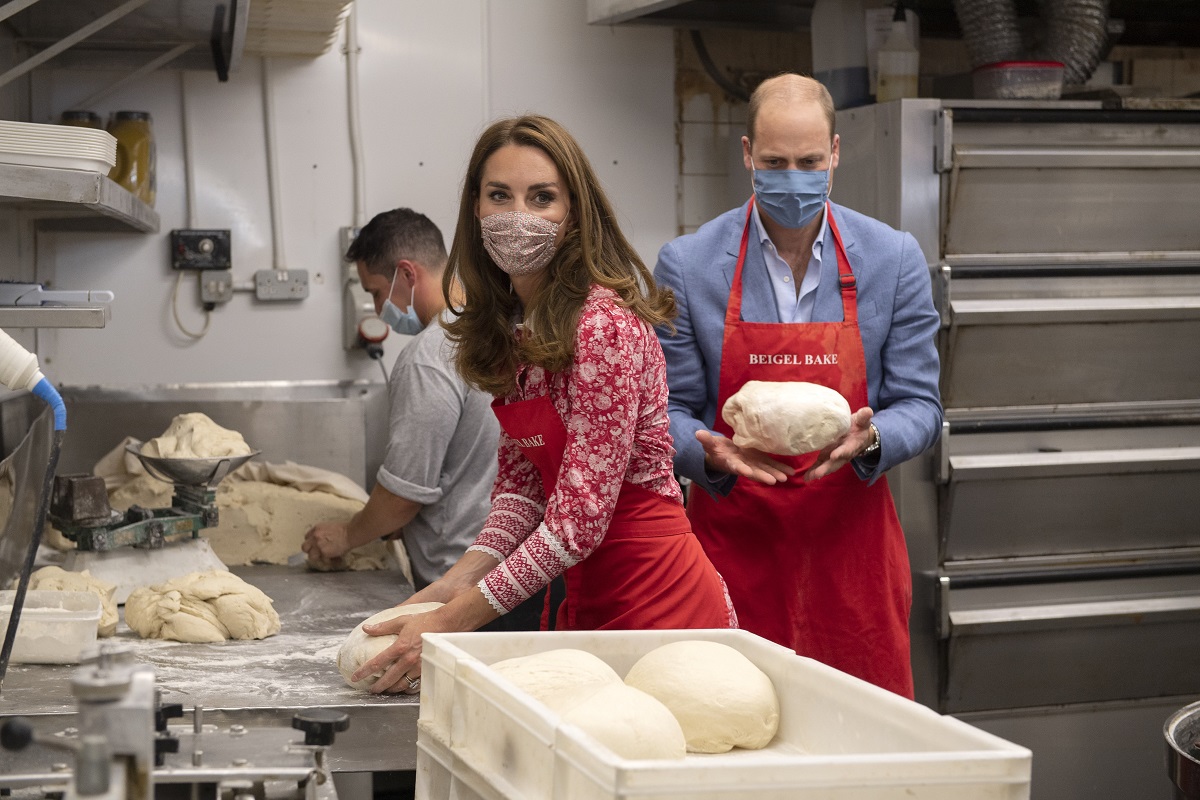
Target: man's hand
{"points": [[326, 542], [838, 454], [720, 453]]}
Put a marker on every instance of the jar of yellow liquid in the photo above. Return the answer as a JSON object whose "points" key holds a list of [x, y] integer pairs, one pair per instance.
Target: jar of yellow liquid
{"points": [[81, 119], [136, 154]]}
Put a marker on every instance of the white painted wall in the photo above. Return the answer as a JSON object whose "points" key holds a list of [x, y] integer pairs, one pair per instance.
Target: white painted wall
{"points": [[432, 76]]}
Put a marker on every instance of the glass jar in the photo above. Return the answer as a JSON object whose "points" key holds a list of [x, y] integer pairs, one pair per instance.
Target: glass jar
{"points": [[81, 119], [136, 154]]}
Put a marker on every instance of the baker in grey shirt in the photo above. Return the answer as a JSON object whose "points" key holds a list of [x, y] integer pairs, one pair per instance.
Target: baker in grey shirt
{"points": [[436, 479]]}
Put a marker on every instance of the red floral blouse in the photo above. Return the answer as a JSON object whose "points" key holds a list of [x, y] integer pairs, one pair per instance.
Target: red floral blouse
{"points": [[613, 403]]}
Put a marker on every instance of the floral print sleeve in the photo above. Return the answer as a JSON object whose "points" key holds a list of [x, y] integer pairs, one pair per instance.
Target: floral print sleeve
{"points": [[518, 503], [602, 400]]}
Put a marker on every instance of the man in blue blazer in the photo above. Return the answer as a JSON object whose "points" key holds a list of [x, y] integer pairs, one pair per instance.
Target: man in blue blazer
{"points": [[790, 287]]}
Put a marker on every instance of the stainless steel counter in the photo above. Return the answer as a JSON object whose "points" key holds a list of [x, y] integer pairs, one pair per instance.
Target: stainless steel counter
{"points": [[262, 683]]}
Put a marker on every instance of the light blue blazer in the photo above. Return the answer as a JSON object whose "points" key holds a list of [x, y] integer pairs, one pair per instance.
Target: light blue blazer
{"points": [[896, 318]]}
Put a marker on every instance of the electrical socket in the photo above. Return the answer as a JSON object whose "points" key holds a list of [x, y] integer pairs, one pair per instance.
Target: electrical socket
{"points": [[216, 286], [285, 284], [357, 304]]}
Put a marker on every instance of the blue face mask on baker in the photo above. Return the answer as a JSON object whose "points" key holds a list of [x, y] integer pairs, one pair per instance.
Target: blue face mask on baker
{"points": [[791, 197], [402, 322]]}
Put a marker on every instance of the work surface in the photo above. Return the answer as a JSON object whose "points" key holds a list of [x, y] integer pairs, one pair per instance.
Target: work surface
{"points": [[262, 683]]}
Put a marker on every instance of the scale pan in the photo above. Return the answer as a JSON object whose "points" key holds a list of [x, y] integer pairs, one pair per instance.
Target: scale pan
{"points": [[189, 471]]}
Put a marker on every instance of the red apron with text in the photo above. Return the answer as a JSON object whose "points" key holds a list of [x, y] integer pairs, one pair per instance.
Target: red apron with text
{"points": [[648, 571], [819, 567]]}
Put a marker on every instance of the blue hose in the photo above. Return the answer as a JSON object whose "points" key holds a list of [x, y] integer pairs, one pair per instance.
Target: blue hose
{"points": [[50, 395]]}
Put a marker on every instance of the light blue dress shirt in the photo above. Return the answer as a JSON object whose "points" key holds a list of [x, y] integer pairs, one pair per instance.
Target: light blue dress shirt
{"points": [[793, 306]]}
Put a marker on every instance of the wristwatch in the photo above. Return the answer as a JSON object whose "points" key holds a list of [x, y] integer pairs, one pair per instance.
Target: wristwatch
{"points": [[873, 447]]}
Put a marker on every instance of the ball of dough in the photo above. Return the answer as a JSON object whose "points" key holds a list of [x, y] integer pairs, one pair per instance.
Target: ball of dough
{"points": [[360, 647], [629, 722], [721, 699], [60, 580], [196, 436], [559, 679], [788, 418], [201, 607]]}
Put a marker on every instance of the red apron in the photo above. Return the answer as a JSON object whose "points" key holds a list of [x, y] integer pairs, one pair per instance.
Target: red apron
{"points": [[648, 571], [819, 567]]}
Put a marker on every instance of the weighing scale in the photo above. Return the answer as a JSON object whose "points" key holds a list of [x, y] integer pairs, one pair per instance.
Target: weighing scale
{"points": [[143, 546]]}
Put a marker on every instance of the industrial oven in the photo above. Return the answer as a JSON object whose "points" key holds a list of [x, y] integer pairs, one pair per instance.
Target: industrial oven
{"points": [[1053, 533]]}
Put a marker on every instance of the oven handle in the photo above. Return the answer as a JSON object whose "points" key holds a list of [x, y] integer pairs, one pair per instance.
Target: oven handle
{"points": [[1071, 310], [1049, 616], [973, 157], [999, 466]]}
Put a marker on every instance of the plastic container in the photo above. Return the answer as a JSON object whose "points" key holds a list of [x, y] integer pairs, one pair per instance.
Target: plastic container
{"points": [[136, 154], [839, 737], [1018, 80], [898, 62], [56, 627]]}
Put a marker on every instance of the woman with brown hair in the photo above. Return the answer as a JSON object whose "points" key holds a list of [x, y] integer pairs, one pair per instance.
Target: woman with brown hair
{"points": [[558, 327]]}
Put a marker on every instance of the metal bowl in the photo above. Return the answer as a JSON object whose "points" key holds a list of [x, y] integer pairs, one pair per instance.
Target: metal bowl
{"points": [[206, 472], [1182, 731]]}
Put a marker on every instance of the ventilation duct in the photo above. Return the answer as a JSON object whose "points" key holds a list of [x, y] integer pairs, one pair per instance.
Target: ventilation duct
{"points": [[1073, 32], [1076, 33]]}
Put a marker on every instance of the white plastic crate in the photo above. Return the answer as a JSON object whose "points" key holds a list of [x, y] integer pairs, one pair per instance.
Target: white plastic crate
{"points": [[839, 737]]}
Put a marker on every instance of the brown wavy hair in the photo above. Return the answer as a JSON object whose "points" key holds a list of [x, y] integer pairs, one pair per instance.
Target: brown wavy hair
{"points": [[593, 251]]}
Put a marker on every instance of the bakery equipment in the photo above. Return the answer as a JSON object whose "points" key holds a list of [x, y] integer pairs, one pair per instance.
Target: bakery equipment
{"points": [[1052, 534], [1182, 732], [17, 293], [142, 546], [121, 746], [25, 480]]}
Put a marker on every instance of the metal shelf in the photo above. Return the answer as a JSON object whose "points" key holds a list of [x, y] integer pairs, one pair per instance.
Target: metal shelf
{"points": [[54, 317], [74, 200]]}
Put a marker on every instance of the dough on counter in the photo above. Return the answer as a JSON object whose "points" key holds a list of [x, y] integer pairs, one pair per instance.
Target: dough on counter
{"points": [[788, 418], [201, 607], [261, 522], [721, 699], [559, 679], [360, 647], [629, 722], [194, 435], [60, 580]]}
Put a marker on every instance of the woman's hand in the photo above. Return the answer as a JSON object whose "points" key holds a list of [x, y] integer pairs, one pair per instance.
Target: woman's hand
{"points": [[838, 454], [720, 453], [400, 663], [466, 612]]}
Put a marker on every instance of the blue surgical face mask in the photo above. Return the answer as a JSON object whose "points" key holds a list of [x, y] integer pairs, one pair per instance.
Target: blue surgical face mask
{"points": [[791, 197], [403, 322]]}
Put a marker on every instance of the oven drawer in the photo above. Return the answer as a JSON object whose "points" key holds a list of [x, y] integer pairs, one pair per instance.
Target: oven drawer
{"points": [[1020, 645], [1051, 492]]}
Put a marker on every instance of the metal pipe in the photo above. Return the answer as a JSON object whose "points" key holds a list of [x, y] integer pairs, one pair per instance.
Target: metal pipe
{"points": [[100, 23], [13, 6]]}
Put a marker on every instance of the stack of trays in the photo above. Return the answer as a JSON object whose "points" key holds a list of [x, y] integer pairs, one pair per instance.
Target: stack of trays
{"points": [[58, 146]]}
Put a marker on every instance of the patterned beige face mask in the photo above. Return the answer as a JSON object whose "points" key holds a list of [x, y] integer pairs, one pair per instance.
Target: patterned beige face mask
{"points": [[519, 242]]}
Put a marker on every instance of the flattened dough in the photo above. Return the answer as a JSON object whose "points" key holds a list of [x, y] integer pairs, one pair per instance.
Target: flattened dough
{"points": [[359, 647], [721, 699], [629, 722], [787, 418], [194, 435], [559, 679], [201, 607], [60, 580]]}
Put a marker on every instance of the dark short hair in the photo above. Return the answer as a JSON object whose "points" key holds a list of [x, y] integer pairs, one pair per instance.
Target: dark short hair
{"points": [[396, 235]]}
